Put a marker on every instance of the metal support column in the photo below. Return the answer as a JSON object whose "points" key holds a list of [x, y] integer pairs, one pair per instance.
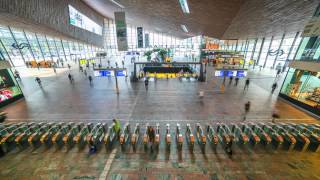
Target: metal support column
{"points": [[39, 46], [237, 45], [64, 52], [265, 61], [55, 45], [275, 60], [25, 35], [262, 43], [245, 52], [253, 51], [291, 48], [45, 37], [7, 53], [15, 40]]}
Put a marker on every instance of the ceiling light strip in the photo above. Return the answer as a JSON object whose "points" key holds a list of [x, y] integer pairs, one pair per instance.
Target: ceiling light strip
{"points": [[118, 4], [184, 6], [184, 28]]}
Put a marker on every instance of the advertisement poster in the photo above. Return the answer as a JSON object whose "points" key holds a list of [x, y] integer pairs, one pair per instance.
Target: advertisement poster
{"points": [[121, 28], [8, 89], [140, 37]]}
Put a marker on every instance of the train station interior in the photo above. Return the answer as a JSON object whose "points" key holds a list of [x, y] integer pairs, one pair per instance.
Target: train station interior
{"points": [[159, 89]]}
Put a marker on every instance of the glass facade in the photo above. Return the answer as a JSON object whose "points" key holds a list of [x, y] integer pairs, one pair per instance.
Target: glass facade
{"points": [[267, 52], [20, 46], [302, 86]]}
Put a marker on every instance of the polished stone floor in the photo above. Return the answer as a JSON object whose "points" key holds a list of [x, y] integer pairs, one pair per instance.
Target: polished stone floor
{"points": [[167, 101]]}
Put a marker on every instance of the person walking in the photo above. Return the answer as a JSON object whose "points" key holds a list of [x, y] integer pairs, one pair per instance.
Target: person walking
{"points": [[90, 79], [55, 70], [85, 72], [278, 72], [230, 79], [146, 83], [246, 86], [151, 134], [17, 75], [246, 109], [38, 80], [236, 81], [69, 66], [70, 78], [274, 86]]}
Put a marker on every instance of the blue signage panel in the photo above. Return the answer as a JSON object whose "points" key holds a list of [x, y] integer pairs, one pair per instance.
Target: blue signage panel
{"points": [[103, 73], [241, 73], [230, 73], [121, 73]]}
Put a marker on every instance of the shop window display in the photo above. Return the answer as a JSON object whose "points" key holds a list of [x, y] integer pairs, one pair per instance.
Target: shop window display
{"points": [[303, 86], [8, 88]]}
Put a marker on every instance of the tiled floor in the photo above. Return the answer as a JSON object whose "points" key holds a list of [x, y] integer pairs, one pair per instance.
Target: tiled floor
{"points": [[166, 101]]}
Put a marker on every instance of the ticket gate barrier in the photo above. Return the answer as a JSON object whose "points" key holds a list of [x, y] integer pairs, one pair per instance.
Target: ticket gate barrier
{"points": [[277, 139], [179, 137], [34, 139], [168, 136], [289, 140], [212, 135], [314, 129], [22, 139], [264, 137], [145, 136], [68, 138], [97, 136], [125, 135], [190, 136], [135, 136], [93, 131], [228, 131], [110, 136], [7, 142], [157, 137], [80, 138], [46, 137], [314, 138], [57, 138], [253, 137], [239, 136], [224, 137], [202, 140], [302, 141], [7, 130]]}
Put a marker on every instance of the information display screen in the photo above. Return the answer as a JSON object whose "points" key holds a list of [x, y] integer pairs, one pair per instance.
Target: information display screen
{"points": [[8, 88], [230, 73], [109, 73]]}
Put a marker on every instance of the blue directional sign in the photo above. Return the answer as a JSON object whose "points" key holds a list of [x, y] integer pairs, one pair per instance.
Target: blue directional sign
{"points": [[230, 73], [241, 73], [121, 73], [103, 73]]}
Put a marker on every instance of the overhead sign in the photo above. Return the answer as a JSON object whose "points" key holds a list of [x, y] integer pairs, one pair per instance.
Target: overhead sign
{"points": [[312, 28], [85, 61], [109, 73], [140, 37], [121, 28], [121, 72]]}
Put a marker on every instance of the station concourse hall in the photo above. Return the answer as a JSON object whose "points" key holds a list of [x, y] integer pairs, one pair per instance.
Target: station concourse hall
{"points": [[159, 89]]}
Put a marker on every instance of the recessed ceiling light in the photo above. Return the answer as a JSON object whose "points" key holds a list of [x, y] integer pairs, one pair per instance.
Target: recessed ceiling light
{"points": [[184, 6], [184, 28], [118, 4]]}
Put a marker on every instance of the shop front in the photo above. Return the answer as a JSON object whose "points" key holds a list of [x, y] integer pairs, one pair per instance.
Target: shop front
{"points": [[302, 87]]}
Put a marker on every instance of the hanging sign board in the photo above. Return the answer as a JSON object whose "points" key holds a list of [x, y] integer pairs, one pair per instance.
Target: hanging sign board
{"points": [[312, 28], [146, 40], [140, 37], [121, 28]]}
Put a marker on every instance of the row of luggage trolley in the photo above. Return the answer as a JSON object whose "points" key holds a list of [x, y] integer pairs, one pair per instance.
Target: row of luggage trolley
{"points": [[288, 136]]}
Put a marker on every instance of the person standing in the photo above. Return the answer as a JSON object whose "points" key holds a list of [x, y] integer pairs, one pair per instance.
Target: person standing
{"points": [[274, 86], [246, 86], [69, 66], [17, 75], [146, 83], [55, 70], [70, 78], [237, 80], [85, 72], [151, 134], [278, 72]]}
